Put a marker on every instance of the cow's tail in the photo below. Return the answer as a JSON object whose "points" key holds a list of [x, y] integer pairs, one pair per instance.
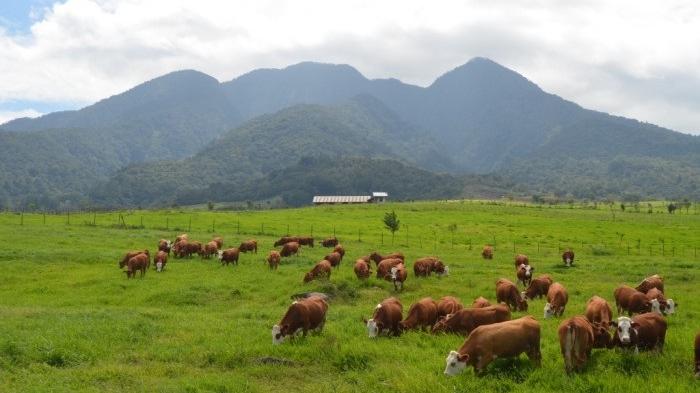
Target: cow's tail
{"points": [[570, 346]]}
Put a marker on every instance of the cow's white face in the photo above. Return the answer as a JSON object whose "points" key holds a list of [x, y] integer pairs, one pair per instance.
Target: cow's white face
{"points": [[670, 306], [624, 327], [168, 243], [454, 366], [568, 261], [548, 311], [220, 254], [528, 271], [446, 272], [655, 306], [159, 266], [393, 272], [372, 330], [277, 337], [523, 295]]}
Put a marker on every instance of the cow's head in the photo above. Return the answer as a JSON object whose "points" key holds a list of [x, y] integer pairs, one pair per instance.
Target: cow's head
{"points": [[308, 277], [455, 363], [601, 335], [159, 266], [394, 271], [670, 306], [528, 270], [568, 260], [523, 295], [548, 311], [625, 329], [168, 244], [373, 327], [655, 306], [279, 333], [441, 324], [522, 304], [220, 254]]}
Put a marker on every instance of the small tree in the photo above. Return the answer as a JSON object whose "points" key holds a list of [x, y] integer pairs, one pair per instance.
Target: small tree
{"points": [[622, 206], [210, 205], [672, 208], [392, 223]]}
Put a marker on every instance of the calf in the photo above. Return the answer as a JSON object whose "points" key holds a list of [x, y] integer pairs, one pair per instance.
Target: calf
{"points": [[219, 242], [398, 276], [303, 315], [568, 258], [160, 260], [329, 242], [384, 267], [521, 259], [209, 249], [524, 274], [273, 259], [654, 281], [557, 297], [631, 300], [165, 245], [507, 292], [421, 315], [130, 255], [320, 270], [140, 263], [229, 256], [362, 269], [448, 305], [643, 331], [487, 252], [340, 250], [289, 249], [334, 258], [576, 341], [249, 245], [386, 318], [468, 319], [480, 302], [503, 339], [538, 287]]}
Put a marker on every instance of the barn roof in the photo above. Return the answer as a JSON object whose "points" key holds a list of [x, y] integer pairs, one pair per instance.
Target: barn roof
{"points": [[341, 198], [380, 194]]}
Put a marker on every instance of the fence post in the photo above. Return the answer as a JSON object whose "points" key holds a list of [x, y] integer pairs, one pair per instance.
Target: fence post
{"points": [[513, 246], [238, 227], [538, 248], [312, 230], [333, 230], [287, 229], [21, 218], [262, 228], [359, 235], [189, 226], [382, 233], [470, 244], [213, 225], [141, 221], [44, 218], [94, 219], [167, 223], [68, 217]]}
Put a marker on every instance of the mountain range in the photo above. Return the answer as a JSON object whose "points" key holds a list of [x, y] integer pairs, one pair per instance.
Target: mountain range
{"points": [[481, 129]]}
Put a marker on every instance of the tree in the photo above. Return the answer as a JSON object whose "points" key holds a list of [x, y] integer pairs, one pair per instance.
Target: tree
{"points": [[672, 208], [392, 223]]}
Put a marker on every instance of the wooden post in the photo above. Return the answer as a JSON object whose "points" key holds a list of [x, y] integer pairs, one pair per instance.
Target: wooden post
{"points": [[287, 229], [213, 225], [68, 217], [333, 230], [470, 244], [189, 226], [513, 246], [538, 248], [21, 218], [312, 230], [262, 228], [94, 218], [44, 218], [359, 235], [382, 233], [141, 221], [238, 227], [167, 223]]}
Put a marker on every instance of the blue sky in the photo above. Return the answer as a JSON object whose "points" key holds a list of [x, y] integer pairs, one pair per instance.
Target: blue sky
{"points": [[16, 15]]}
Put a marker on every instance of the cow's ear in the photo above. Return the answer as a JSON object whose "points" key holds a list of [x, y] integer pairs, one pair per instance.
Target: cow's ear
{"points": [[364, 320], [635, 325], [463, 358]]}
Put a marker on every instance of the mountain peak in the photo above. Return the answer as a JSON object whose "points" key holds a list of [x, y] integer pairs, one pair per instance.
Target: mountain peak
{"points": [[483, 73]]}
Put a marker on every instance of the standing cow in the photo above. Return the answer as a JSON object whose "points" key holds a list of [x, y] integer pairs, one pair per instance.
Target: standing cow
{"points": [[521, 259], [524, 274], [557, 297], [362, 269], [329, 242], [303, 315], [448, 305], [487, 252], [576, 341], [321, 270], [229, 256], [643, 331], [386, 318], [140, 263], [568, 258], [421, 315], [273, 259], [160, 260], [289, 249], [507, 292], [249, 245]]}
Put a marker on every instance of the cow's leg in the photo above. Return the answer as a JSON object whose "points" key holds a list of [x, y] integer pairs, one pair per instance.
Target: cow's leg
{"points": [[481, 364]]}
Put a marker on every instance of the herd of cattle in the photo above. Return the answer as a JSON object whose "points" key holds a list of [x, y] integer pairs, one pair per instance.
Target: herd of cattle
{"points": [[489, 330]]}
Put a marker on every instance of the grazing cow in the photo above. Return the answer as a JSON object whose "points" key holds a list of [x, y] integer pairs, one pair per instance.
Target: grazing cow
{"points": [[249, 245], [386, 318], [188, 248], [289, 249], [503, 339], [487, 252], [160, 260], [165, 245], [131, 254], [521, 259], [661, 304], [362, 269], [643, 331], [182, 237], [377, 258], [334, 258], [209, 249], [480, 302], [320, 270], [654, 281], [448, 305], [557, 297], [305, 314], [398, 276], [329, 242], [421, 315], [466, 320], [140, 263], [229, 256], [425, 266], [306, 241], [286, 239], [273, 259], [340, 250], [384, 267], [524, 274], [507, 292], [538, 287], [598, 311], [631, 300], [568, 258], [697, 355], [219, 242], [576, 341]]}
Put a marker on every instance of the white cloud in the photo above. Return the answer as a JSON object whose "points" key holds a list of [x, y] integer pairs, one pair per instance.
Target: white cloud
{"points": [[6, 116], [633, 58]]}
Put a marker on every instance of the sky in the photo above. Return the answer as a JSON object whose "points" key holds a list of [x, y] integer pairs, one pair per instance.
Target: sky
{"points": [[638, 59]]}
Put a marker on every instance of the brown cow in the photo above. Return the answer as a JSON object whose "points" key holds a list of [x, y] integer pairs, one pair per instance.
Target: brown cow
{"points": [[384, 267], [306, 241], [654, 281], [643, 331], [421, 315], [182, 237], [340, 250], [131, 254], [329, 242], [386, 318], [538, 287], [320, 270], [423, 267], [697, 355], [661, 304], [488, 342], [249, 245], [398, 276], [139, 262], [521, 259], [286, 239], [160, 260], [480, 302], [362, 269], [377, 258], [334, 258], [568, 258], [557, 297], [219, 242], [165, 245], [507, 292], [631, 300], [273, 259], [468, 319], [598, 311], [576, 341], [305, 314], [524, 274], [448, 305], [229, 256], [188, 248], [487, 252], [289, 249], [209, 249]]}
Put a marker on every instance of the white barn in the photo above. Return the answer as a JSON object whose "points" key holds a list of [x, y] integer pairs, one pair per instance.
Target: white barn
{"points": [[376, 197]]}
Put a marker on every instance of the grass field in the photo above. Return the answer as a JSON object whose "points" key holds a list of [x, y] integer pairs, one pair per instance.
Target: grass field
{"points": [[71, 321]]}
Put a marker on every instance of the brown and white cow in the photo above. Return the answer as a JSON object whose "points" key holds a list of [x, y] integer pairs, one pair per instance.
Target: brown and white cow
{"points": [[286, 239], [524, 274], [448, 305], [188, 248], [140, 263], [468, 319], [289, 249], [398, 276], [568, 258], [377, 258], [303, 315], [334, 258], [230, 255], [654, 281], [160, 260], [424, 267], [219, 242], [306, 241], [480, 302], [487, 252], [557, 297], [421, 315], [384, 267], [643, 331], [322, 270], [249, 245], [182, 237], [386, 318], [507, 292], [209, 249], [631, 300], [599, 311], [125, 260], [660, 304], [538, 287], [273, 259], [362, 269], [165, 245], [576, 341], [340, 250], [329, 242], [488, 342], [521, 259]]}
